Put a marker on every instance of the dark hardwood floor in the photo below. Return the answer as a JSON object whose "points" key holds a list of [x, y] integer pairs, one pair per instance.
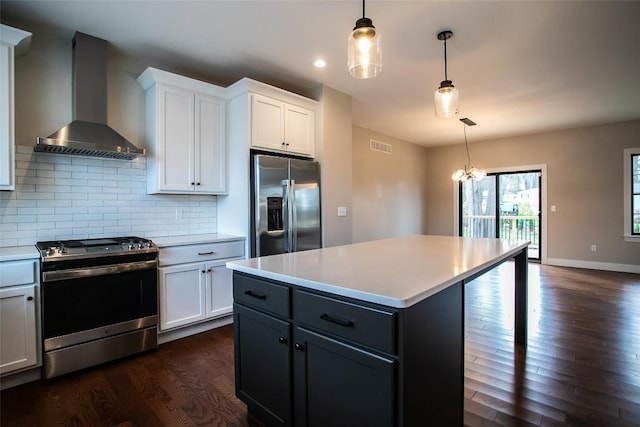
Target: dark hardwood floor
{"points": [[581, 368]]}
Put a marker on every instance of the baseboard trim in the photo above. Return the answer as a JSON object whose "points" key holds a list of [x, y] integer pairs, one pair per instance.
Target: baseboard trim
{"points": [[593, 265], [175, 334], [13, 380]]}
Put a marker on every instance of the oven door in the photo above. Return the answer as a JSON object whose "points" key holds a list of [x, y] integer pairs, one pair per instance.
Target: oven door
{"points": [[88, 303]]}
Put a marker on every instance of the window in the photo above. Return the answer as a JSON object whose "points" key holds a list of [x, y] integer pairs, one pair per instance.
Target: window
{"points": [[631, 170]]}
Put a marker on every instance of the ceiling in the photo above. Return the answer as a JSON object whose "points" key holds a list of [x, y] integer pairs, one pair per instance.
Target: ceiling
{"points": [[521, 67]]}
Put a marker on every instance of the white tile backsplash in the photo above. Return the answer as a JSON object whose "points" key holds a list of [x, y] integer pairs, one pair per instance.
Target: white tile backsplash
{"points": [[74, 197]]}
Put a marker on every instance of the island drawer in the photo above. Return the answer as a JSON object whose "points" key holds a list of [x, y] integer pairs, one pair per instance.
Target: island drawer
{"points": [[200, 252], [261, 294], [368, 326]]}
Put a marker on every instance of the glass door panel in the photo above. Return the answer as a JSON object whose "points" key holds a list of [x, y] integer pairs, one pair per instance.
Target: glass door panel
{"points": [[478, 207], [503, 205]]}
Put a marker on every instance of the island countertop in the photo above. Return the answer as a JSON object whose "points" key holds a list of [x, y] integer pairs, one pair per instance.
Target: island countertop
{"points": [[396, 272]]}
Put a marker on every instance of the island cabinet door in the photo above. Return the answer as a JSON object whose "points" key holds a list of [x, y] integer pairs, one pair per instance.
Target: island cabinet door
{"points": [[263, 365], [339, 385]]}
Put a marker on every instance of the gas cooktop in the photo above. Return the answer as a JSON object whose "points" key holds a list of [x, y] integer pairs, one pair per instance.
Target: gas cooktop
{"points": [[88, 248]]}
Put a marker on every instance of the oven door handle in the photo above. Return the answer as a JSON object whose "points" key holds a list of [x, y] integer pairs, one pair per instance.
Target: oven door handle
{"points": [[103, 270]]}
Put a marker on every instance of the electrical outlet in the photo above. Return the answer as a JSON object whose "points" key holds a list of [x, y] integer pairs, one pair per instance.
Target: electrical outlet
{"points": [[594, 248], [179, 213], [553, 208], [342, 211]]}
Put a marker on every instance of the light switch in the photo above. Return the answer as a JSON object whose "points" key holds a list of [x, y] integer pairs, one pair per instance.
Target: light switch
{"points": [[342, 211], [553, 208]]}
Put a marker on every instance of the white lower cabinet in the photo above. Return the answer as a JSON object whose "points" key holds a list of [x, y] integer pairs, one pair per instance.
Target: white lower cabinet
{"points": [[18, 310], [193, 291]]}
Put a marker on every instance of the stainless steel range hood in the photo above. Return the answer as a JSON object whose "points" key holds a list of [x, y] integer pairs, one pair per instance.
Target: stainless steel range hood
{"points": [[88, 134]]}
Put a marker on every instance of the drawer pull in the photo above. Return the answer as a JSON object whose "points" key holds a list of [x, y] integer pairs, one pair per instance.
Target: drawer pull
{"points": [[255, 294], [337, 320], [206, 253]]}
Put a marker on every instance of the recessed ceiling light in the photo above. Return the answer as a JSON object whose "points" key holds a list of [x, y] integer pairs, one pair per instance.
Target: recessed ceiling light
{"points": [[320, 63]]}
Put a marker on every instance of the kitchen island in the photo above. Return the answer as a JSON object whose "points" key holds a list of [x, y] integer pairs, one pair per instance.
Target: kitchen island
{"points": [[364, 334]]}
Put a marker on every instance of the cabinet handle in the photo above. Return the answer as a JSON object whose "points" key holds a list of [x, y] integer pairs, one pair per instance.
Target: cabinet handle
{"points": [[193, 183], [282, 340], [209, 271], [287, 144], [283, 143], [29, 298], [197, 183], [255, 294], [203, 271], [206, 253], [337, 320], [298, 347]]}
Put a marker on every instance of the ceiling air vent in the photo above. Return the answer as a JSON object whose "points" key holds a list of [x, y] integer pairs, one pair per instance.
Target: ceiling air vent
{"points": [[382, 147]]}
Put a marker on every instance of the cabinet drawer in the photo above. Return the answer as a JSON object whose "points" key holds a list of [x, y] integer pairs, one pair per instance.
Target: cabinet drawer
{"points": [[18, 273], [261, 294], [364, 325], [200, 252]]}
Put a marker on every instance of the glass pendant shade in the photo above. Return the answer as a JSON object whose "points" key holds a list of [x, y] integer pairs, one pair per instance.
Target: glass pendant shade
{"points": [[364, 50], [446, 100]]}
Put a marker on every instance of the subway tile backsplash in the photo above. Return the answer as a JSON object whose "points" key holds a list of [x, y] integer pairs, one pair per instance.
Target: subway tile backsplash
{"points": [[74, 197]]}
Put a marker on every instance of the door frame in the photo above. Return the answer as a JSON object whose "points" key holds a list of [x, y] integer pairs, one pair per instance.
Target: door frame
{"points": [[543, 202]]}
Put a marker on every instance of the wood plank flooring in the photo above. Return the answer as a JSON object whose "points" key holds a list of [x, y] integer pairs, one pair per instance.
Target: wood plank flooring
{"points": [[581, 368]]}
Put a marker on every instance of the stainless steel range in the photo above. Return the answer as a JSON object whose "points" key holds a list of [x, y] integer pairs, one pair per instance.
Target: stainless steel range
{"points": [[99, 301]]}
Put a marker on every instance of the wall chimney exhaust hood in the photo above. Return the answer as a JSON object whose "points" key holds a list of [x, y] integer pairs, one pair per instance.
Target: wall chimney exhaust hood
{"points": [[88, 134]]}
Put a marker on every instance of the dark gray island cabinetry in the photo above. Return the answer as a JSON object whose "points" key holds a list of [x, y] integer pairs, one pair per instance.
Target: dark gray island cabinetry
{"points": [[312, 350]]}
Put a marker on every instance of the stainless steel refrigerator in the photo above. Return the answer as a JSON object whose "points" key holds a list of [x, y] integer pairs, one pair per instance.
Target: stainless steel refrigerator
{"points": [[285, 205]]}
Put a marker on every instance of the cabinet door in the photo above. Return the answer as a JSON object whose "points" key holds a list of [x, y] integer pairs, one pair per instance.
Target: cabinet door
{"points": [[210, 144], [340, 385], [17, 328], [262, 363], [7, 143], [219, 290], [176, 168], [267, 123], [182, 294], [299, 129]]}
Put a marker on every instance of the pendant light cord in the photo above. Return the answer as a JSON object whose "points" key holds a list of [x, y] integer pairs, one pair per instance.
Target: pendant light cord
{"points": [[363, 15], [466, 145], [445, 57]]}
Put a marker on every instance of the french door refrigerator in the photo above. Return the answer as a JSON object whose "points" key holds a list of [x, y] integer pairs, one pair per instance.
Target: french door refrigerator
{"points": [[285, 205]]}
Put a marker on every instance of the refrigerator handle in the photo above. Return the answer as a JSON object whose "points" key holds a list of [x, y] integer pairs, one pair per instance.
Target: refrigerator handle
{"points": [[294, 217], [287, 214]]}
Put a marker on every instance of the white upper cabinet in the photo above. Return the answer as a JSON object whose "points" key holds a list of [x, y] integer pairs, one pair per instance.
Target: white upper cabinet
{"points": [[10, 38], [186, 136], [278, 125]]}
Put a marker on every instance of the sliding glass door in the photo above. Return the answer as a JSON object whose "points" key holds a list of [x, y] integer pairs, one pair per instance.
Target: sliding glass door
{"points": [[503, 205]]}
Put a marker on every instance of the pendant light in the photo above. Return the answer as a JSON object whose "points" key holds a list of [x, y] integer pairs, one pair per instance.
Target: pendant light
{"points": [[469, 172], [364, 49], [446, 97]]}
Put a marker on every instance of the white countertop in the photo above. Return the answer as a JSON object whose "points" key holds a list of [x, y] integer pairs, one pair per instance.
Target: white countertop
{"points": [[15, 253], [396, 272], [192, 239]]}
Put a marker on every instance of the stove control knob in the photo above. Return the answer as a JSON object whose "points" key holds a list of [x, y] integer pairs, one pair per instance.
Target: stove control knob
{"points": [[49, 251], [61, 250], [130, 246]]}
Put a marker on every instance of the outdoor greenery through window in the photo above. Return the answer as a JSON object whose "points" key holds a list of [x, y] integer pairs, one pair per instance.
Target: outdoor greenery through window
{"points": [[635, 193]]}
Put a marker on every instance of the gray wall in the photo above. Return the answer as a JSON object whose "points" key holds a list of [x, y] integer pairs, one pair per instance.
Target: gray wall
{"points": [[584, 181], [389, 190], [334, 154]]}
